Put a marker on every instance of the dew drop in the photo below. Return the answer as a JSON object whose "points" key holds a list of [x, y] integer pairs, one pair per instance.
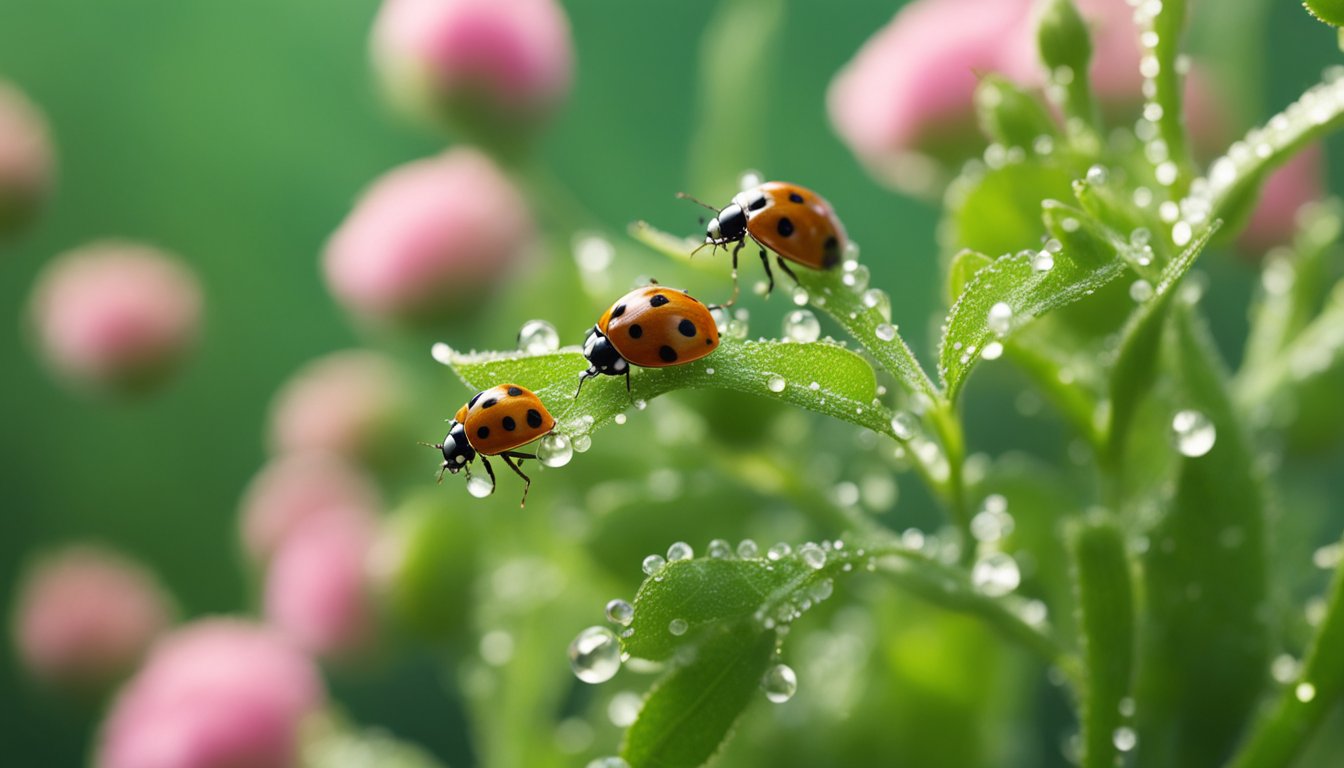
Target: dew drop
{"points": [[1124, 738], [555, 450], [480, 487], [619, 419], [653, 564], [1000, 318], [992, 522], [780, 683], [1044, 261], [992, 351], [677, 627], [776, 383], [1139, 237], [802, 326], [582, 443], [996, 574], [750, 179], [1125, 707], [620, 612], [800, 296], [885, 331], [679, 551], [720, 549], [1195, 434], [813, 555], [1097, 175], [1285, 668], [593, 253], [855, 279], [595, 655], [537, 337], [1181, 233], [442, 353], [747, 549], [1305, 692], [904, 425], [1140, 290], [778, 551]]}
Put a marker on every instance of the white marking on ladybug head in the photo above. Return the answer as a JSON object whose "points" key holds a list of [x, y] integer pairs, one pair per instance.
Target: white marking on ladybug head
{"points": [[712, 231]]}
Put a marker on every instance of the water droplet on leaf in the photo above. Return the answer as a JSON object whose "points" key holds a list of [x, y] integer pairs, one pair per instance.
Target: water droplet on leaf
{"points": [[595, 655]]}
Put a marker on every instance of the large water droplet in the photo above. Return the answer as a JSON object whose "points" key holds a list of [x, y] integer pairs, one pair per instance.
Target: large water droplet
{"points": [[653, 564], [538, 337], [780, 683], [1305, 692], [813, 555], [679, 551], [480, 487], [1124, 738], [802, 326], [779, 551], [855, 276], [582, 443], [885, 331], [1195, 434], [442, 353], [1140, 290], [1097, 175], [992, 522], [776, 383], [620, 612], [996, 574], [992, 351], [1000, 318], [595, 655], [876, 298], [677, 627], [747, 549], [1043, 261], [905, 425], [720, 549], [555, 450]]}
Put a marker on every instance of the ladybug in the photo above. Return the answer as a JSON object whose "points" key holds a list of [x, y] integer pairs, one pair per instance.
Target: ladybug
{"points": [[493, 423], [652, 327], [793, 221]]}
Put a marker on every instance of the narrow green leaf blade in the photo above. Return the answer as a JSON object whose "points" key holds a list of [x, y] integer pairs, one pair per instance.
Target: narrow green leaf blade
{"points": [[689, 713]]}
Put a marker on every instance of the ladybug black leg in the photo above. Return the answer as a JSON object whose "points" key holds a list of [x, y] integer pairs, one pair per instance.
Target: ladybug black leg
{"points": [[527, 481], [489, 470], [733, 300], [627, 384], [586, 375], [765, 262], [784, 266]]}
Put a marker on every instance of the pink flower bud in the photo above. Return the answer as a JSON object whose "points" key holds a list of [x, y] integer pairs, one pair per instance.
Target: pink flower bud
{"points": [[427, 237], [1297, 182], [26, 161], [218, 693], [340, 404], [484, 65], [293, 489], [116, 315], [86, 616], [316, 586]]}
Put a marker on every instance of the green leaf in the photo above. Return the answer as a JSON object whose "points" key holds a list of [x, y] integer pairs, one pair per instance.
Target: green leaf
{"points": [[1204, 643], [964, 266], [846, 387], [1328, 11], [327, 741], [1299, 711], [1136, 363], [998, 210], [1105, 599], [1009, 115], [1027, 293], [711, 591], [432, 558], [689, 713]]}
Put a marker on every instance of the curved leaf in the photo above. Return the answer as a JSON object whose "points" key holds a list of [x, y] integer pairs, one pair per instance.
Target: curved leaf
{"points": [[820, 376]]}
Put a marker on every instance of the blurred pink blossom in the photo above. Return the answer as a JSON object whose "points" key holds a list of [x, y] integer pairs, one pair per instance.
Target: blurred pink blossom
{"points": [[116, 315], [86, 615], [316, 586], [1297, 182], [26, 159], [295, 488], [427, 237], [337, 404], [218, 693], [494, 64]]}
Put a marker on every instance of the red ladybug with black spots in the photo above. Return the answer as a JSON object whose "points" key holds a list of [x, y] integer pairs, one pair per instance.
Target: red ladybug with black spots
{"points": [[789, 219], [652, 327], [493, 423]]}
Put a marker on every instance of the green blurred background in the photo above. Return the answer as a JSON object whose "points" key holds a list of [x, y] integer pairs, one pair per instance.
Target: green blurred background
{"points": [[238, 135]]}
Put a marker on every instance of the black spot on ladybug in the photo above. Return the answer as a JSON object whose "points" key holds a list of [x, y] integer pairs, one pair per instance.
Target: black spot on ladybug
{"points": [[785, 226], [757, 204], [515, 391], [686, 327], [794, 197], [831, 253], [658, 300], [709, 342], [636, 331], [489, 403], [618, 310], [509, 424], [474, 398], [668, 354], [483, 432], [533, 418]]}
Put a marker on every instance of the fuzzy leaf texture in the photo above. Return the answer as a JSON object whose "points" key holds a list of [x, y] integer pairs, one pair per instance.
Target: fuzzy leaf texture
{"points": [[1087, 262], [846, 386]]}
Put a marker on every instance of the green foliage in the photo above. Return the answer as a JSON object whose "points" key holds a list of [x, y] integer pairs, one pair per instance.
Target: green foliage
{"points": [[1328, 11]]}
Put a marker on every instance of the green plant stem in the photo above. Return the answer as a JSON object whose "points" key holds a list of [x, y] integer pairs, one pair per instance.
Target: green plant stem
{"points": [[947, 424], [1280, 734], [1168, 24]]}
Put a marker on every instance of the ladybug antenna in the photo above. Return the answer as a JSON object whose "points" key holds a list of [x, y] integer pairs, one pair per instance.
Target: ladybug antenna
{"points": [[684, 196], [442, 469]]}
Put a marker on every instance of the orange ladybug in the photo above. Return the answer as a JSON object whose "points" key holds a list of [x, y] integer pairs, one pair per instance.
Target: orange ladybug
{"points": [[791, 220], [493, 423], [652, 327]]}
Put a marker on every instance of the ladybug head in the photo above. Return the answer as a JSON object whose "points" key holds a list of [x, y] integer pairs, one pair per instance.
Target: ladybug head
{"points": [[457, 451], [602, 355], [729, 226]]}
